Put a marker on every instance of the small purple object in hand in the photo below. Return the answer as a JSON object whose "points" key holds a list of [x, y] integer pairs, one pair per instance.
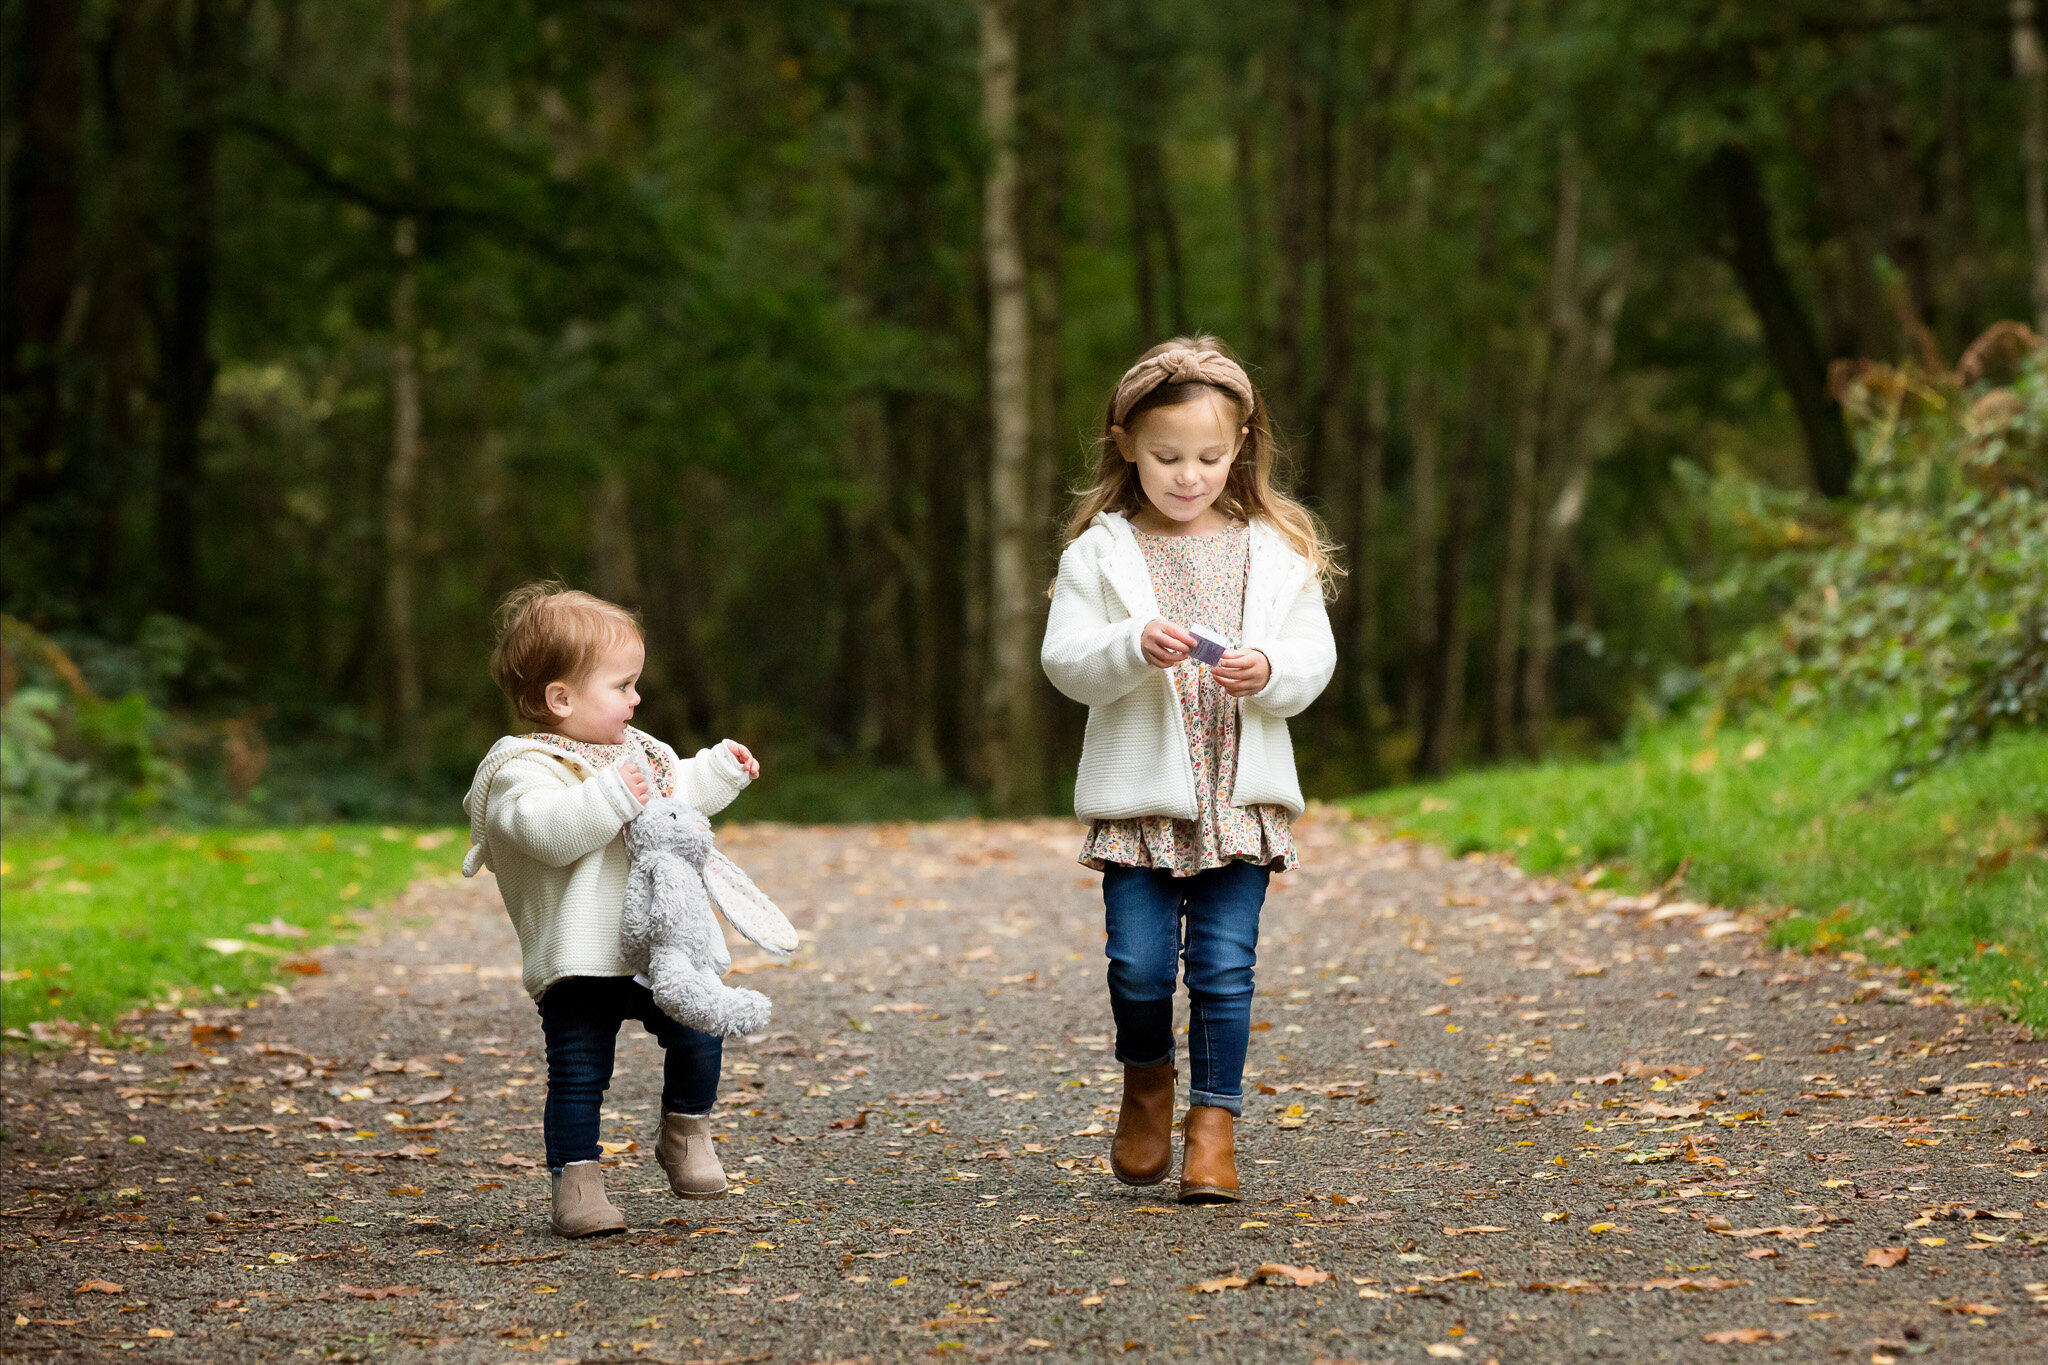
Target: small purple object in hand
{"points": [[1209, 646]]}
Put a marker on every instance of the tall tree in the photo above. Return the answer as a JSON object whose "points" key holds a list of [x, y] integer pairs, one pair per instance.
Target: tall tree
{"points": [[1015, 765], [1748, 244], [2030, 69], [402, 471]]}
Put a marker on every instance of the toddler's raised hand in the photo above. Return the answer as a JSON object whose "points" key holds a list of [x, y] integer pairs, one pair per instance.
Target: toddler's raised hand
{"points": [[1164, 643], [636, 781], [747, 760]]}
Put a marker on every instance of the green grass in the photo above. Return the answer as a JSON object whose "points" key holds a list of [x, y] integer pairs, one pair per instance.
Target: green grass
{"points": [[1949, 874], [92, 925]]}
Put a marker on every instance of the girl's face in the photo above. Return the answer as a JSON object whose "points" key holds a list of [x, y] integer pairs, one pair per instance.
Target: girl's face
{"points": [[595, 709], [1183, 454]]}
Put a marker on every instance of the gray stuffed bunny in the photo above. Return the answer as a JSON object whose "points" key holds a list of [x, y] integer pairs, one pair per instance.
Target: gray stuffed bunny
{"points": [[669, 932]]}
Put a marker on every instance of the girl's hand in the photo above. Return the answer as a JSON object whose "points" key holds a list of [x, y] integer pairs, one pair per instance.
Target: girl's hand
{"points": [[747, 760], [636, 781], [1164, 644], [1243, 671]]}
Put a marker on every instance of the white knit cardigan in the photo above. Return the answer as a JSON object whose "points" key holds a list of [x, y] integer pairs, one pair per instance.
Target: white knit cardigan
{"points": [[1135, 759], [550, 826]]}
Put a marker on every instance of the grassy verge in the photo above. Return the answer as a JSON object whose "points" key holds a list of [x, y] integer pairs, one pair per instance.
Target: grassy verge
{"points": [[96, 924], [1949, 874]]}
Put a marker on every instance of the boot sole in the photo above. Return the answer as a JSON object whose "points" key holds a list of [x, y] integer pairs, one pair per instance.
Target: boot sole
{"points": [[1139, 1182], [698, 1194], [1209, 1194], [587, 1232]]}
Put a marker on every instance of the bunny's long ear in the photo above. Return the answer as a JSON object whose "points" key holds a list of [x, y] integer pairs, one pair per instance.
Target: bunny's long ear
{"points": [[756, 917]]}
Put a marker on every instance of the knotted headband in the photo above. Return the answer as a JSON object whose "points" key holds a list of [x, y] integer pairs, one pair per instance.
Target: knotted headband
{"points": [[1181, 365]]}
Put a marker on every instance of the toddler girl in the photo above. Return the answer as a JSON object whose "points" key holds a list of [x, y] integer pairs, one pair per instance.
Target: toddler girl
{"points": [[1187, 774], [546, 811]]}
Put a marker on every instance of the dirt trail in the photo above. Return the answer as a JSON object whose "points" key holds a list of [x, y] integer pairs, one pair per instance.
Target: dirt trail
{"points": [[1495, 1121]]}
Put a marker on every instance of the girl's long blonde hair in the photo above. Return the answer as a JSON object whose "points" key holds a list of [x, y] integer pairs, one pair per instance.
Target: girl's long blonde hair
{"points": [[1249, 491]]}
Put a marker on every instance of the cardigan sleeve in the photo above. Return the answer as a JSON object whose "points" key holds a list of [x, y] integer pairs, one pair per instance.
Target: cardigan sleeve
{"points": [[711, 778], [530, 810], [1088, 657], [1303, 655]]}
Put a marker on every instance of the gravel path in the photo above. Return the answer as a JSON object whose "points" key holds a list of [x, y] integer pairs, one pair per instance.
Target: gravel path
{"points": [[1496, 1119]]}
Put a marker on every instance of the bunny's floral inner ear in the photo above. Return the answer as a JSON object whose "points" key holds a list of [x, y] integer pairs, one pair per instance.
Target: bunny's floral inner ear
{"points": [[757, 918]]}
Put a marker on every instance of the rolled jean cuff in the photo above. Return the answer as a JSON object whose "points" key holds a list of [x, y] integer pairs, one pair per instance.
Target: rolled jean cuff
{"points": [[1234, 1103], [1160, 1060]]}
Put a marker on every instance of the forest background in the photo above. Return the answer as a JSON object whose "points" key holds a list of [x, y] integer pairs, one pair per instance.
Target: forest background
{"points": [[325, 324]]}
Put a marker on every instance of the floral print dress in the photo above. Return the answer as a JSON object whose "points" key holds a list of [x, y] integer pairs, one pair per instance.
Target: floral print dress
{"points": [[639, 744], [1200, 580]]}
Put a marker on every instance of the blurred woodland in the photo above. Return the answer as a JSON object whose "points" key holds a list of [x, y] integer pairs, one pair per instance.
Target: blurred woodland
{"points": [[327, 323]]}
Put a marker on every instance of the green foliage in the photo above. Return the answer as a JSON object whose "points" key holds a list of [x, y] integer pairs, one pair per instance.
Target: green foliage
{"points": [[97, 924], [1948, 874], [1931, 603], [66, 752]]}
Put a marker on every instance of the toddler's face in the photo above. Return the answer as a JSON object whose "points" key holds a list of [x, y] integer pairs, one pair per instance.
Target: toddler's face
{"points": [[596, 709], [1184, 453]]}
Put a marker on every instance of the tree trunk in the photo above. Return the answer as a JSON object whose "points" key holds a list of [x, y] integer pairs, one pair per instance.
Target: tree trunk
{"points": [[1583, 363], [1546, 341], [1045, 178], [46, 104], [1422, 537], [1752, 253], [1015, 761], [1250, 204], [1293, 153], [1334, 434], [401, 474], [614, 562], [184, 320], [2030, 68]]}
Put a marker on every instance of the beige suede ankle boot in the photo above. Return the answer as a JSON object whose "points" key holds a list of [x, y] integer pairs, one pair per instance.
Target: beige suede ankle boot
{"points": [[684, 1150], [581, 1207]]}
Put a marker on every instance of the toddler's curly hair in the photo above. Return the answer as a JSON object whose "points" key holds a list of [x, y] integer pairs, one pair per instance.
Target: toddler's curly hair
{"points": [[550, 632]]}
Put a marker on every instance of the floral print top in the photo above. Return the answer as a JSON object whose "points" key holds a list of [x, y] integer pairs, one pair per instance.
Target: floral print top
{"points": [[1200, 580], [653, 755]]}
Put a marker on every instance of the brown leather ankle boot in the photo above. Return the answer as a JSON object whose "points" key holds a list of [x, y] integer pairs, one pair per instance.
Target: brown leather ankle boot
{"points": [[1143, 1149], [1208, 1163]]}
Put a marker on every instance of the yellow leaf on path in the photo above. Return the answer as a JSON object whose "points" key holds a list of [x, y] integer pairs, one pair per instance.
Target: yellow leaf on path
{"points": [[164, 1332], [1741, 1335], [1443, 1350], [1477, 1228], [1601, 1227], [1219, 1284], [1555, 1216]]}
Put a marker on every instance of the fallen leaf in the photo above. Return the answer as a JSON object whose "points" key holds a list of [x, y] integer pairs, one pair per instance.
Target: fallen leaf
{"points": [[432, 1096], [1980, 1310], [388, 1291], [523, 1162], [405, 1189], [100, 1287], [1477, 1228], [859, 1120], [1789, 1233], [1302, 1277], [674, 1272], [328, 1124], [1742, 1336], [1885, 1256], [1705, 1283], [1443, 1350], [1219, 1284]]}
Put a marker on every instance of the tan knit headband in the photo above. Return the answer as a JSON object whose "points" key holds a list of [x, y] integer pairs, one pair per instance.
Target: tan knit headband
{"points": [[1181, 365]]}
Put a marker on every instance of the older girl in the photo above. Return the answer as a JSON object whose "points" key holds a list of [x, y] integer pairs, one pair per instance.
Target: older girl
{"points": [[1187, 773]]}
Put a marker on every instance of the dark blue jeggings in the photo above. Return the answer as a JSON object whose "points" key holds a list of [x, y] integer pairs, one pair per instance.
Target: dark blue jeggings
{"points": [[1211, 921], [580, 1017]]}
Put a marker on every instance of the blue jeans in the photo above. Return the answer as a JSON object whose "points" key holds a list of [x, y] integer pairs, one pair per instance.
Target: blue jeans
{"points": [[580, 1018], [1210, 919]]}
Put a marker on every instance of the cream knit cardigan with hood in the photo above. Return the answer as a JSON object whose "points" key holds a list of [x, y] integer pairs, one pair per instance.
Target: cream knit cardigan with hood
{"points": [[1135, 759], [550, 826]]}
